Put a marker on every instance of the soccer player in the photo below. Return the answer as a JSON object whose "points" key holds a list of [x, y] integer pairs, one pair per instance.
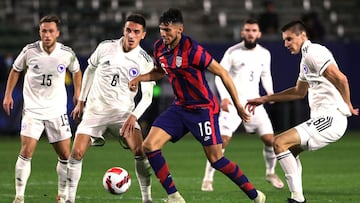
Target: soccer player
{"points": [[195, 108], [247, 62], [329, 100], [45, 63], [110, 105]]}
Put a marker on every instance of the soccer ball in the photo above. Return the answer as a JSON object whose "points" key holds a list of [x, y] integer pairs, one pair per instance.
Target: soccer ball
{"points": [[116, 180]]}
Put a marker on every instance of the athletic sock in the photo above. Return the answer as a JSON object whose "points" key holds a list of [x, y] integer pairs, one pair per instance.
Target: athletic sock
{"points": [[270, 159], [73, 177], [293, 178], [22, 174], [143, 174], [233, 171], [209, 171], [158, 163], [61, 169]]}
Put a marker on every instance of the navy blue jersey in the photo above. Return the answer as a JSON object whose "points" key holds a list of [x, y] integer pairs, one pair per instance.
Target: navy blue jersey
{"points": [[185, 66]]}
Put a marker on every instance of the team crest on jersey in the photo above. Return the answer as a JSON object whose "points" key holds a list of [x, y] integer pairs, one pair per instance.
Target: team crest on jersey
{"points": [[61, 68], [306, 69], [178, 61], [133, 72]]}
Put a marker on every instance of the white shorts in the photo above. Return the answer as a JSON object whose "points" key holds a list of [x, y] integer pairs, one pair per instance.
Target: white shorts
{"points": [[97, 126], [320, 131], [57, 129], [259, 122]]}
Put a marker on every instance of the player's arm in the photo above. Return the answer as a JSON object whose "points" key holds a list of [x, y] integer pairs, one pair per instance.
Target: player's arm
{"points": [[8, 102], [218, 70], [155, 74], [85, 86], [293, 93], [77, 77], [340, 81]]}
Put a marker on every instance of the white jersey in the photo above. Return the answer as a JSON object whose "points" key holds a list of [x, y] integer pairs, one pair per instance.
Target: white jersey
{"points": [[246, 67], [109, 93], [44, 89], [322, 94]]}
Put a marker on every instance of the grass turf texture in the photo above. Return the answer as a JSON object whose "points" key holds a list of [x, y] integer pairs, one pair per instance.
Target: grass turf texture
{"points": [[330, 175]]}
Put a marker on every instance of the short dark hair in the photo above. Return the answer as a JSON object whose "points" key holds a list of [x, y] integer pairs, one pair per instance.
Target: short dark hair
{"points": [[137, 18], [296, 26], [172, 15], [51, 18], [251, 21]]}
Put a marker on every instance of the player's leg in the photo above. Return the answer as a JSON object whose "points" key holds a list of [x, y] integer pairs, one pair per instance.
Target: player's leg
{"points": [[207, 183], [74, 169], [59, 135], [282, 144], [142, 165], [228, 122], [30, 134], [270, 161]]}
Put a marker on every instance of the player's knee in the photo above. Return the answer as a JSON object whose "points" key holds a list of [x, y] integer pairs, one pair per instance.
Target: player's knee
{"points": [[278, 145], [77, 154]]}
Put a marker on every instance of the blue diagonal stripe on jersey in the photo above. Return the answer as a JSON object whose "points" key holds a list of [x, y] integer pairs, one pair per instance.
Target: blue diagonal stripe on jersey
{"points": [[327, 123]]}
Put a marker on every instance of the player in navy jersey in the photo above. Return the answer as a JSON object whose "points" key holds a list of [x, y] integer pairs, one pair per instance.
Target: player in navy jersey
{"points": [[195, 108]]}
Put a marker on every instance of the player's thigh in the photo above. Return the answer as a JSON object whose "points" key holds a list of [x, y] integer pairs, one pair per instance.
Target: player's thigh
{"points": [[320, 131], [229, 121], [95, 129], [58, 129]]}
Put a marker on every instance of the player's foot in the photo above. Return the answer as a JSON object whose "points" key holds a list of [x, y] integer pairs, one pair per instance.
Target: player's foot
{"points": [[19, 199], [175, 198], [260, 197], [148, 201], [207, 186], [274, 180], [60, 198], [289, 200]]}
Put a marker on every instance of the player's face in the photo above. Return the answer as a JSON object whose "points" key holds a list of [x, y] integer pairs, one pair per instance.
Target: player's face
{"points": [[49, 33], [251, 33], [133, 34], [171, 33], [292, 41]]}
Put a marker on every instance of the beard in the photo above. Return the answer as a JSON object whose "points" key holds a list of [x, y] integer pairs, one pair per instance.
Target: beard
{"points": [[250, 45]]}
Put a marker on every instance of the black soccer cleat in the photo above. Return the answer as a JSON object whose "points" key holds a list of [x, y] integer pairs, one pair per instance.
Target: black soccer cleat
{"points": [[289, 200]]}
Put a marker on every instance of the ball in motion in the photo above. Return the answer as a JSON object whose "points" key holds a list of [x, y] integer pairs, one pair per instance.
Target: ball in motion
{"points": [[116, 180]]}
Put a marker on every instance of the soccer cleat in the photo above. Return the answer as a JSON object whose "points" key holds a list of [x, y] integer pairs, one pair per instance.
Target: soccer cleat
{"points": [[289, 200], [60, 198], [175, 198], [207, 186], [261, 198], [19, 199], [274, 180]]}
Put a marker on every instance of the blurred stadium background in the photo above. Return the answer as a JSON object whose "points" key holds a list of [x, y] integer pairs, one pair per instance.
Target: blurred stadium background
{"points": [[214, 23]]}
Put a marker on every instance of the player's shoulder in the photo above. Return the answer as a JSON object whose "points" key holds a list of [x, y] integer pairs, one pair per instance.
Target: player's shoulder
{"points": [[31, 46], [236, 47], [145, 56], [66, 48]]}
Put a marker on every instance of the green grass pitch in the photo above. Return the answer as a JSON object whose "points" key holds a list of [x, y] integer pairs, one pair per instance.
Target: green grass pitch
{"points": [[330, 175]]}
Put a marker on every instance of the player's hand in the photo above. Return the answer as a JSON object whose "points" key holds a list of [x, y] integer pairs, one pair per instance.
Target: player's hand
{"points": [[128, 128], [77, 111], [355, 111], [244, 115], [133, 85], [253, 103], [225, 104], [8, 105]]}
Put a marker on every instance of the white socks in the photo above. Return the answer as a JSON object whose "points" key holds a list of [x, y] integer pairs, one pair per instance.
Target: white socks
{"points": [[143, 174], [22, 174], [292, 174], [270, 159], [74, 169], [61, 169]]}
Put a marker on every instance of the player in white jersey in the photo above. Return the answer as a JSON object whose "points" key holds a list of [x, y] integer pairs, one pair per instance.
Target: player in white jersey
{"points": [[45, 101], [329, 100], [247, 62], [110, 105]]}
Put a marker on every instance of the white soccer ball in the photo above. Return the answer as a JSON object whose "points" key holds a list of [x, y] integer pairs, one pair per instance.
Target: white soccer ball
{"points": [[116, 180]]}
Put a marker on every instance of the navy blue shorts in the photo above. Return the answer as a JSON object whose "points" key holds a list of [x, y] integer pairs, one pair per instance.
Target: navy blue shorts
{"points": [[202, 123]]}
